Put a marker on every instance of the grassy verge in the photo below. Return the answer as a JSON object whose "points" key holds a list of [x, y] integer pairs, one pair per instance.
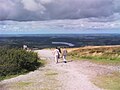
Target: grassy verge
{"points": [[96, 59], [10, 76], [108, 82]]}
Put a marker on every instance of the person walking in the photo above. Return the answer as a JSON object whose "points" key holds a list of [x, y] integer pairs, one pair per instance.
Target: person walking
{"points": [[25, 47], [59, 55], [64, 54], [56, 54]]}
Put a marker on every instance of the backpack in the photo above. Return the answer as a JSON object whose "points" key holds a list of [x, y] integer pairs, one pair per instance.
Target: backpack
{"points": [[58, 56]]}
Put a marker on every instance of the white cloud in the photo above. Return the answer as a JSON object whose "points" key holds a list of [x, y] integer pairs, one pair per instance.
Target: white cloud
{"points": [[80, 24], [31, 5]]}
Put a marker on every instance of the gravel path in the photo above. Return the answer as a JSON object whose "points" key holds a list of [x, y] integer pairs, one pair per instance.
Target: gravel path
{"points": [[74, 75]]}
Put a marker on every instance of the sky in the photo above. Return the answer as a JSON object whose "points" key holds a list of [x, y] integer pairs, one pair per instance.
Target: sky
{"points": [[59, 16]]}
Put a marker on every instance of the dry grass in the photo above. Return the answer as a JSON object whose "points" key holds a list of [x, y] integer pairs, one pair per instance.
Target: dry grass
{"points": [[72, 49], [106, 54]]}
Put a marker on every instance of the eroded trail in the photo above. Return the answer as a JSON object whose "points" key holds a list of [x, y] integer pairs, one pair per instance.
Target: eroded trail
{"points": [[70, 75], [74, 75]]}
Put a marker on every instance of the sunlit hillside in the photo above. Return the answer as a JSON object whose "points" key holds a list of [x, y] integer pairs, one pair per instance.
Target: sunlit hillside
{"points": [[99, 53]]}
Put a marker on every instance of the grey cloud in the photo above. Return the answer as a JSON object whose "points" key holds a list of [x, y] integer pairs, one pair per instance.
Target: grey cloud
{"points": [[59, 9]]}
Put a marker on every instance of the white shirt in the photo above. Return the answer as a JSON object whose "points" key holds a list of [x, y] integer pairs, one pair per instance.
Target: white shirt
{"points": [[56, 52]]}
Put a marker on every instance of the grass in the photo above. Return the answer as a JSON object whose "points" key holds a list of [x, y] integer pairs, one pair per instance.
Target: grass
{"points": [[51, 73], [10, 76], [42, 62], [101, 54], [23, 83], [108, 82], [96, 59]]}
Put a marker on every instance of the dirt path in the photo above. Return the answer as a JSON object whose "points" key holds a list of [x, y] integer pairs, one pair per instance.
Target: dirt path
{"points": [[69, 76], [74, 75]]}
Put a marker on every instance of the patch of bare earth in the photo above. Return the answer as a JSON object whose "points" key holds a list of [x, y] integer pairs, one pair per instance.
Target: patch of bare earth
{"points": [[73, 75]]}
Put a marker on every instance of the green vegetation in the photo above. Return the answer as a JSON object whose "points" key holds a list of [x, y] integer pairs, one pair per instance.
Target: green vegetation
{"points": [[108, 82], [51, 73], [23, 83], [17, 61], [45, 41], [103, 54]]}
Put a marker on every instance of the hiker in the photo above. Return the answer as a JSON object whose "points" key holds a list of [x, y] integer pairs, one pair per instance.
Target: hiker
{"points": [[59, 49], [25, 47], [59, 55], [64, 54], [56, 54]]}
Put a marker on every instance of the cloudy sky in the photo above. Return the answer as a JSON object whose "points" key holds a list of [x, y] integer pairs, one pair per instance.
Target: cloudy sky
{"points": [[58, 9], [97, 13]]}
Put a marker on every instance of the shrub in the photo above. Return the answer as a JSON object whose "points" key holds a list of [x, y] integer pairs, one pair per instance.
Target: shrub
{"points": [[15, 61]]}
